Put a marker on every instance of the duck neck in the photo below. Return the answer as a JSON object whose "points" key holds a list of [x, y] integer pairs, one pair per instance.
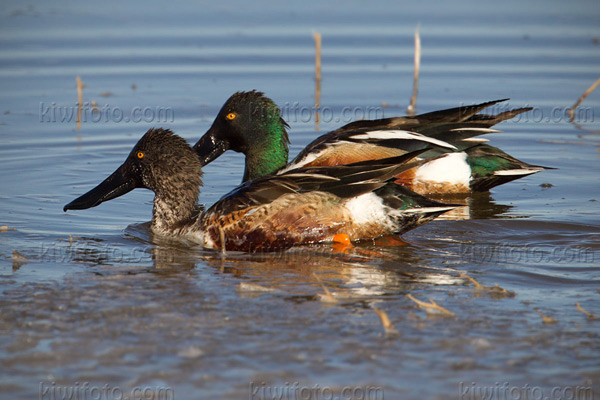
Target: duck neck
{"points": [[174, 208], [269, 153]]}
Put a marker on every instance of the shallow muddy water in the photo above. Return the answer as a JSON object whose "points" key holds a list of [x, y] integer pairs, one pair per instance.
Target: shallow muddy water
{"points": [[91, 304]]}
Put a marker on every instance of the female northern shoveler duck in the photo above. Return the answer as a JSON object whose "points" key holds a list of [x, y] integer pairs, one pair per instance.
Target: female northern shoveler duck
{"points": [[305, 205], [251, 123]]}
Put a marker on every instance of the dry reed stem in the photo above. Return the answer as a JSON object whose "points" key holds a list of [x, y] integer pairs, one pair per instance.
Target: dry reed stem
{"points": [[586, 312], [327, 297], [222, 238], [412, 107], [495, 290], [388, 327], [583, 96], [18, 260], [79, 100], [18, 257], [432, 305], [317, 37], [477, 284], [545, 319]]}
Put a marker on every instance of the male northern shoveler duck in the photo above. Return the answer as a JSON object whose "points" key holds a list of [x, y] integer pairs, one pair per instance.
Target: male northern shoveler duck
{"points": [[302, 206], [458, 163]]}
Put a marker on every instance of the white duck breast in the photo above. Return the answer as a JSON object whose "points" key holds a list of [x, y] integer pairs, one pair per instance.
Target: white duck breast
{"points": [[452, 168]]}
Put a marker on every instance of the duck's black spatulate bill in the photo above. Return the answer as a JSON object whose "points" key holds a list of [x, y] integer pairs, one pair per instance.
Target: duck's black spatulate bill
{"points": [[117, 184], [210, 146]]}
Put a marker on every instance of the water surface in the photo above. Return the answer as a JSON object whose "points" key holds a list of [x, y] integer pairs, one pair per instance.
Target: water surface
{"points": [[97, 300]]}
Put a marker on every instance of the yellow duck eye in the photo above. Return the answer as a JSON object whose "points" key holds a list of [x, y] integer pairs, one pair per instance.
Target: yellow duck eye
{"points": [[140, 154], [231, 116]]}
